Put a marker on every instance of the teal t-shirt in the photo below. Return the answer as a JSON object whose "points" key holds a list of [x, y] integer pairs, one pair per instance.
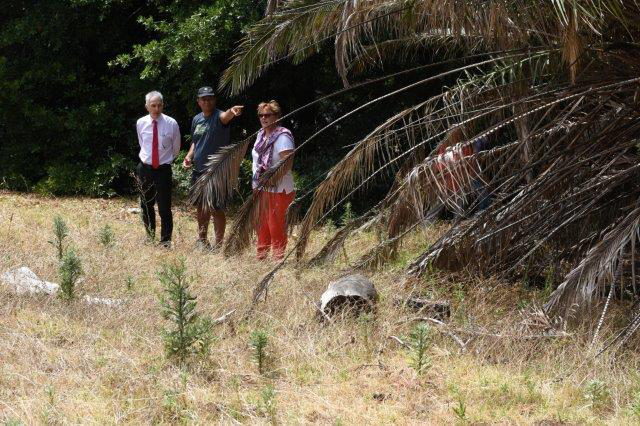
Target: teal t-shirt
{"points": [[208, 134]]}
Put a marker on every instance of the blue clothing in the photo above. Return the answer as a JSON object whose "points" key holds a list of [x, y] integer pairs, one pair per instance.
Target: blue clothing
{"points": [[480, 144], [208, 135]]}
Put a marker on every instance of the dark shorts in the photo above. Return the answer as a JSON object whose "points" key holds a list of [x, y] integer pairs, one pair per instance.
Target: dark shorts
{"points": [[217, 205]]}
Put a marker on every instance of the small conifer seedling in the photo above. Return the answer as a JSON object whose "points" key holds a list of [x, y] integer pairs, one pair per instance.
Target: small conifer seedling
{"points": [[189, 333], [259, 341], [419, 342], [69, 272], [60, 232], [106, 236]]}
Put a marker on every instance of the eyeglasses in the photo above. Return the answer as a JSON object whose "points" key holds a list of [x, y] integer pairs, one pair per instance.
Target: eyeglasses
{"points": [[265, 115]]}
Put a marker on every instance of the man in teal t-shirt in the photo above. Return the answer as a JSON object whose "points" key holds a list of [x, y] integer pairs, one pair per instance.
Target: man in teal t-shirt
{"points": [[210, 131]]}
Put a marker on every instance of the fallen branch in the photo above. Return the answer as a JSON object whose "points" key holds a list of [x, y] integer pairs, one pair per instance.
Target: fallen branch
{"points": [[223, 318], [400, 342], [441, 328], [496, 335]]}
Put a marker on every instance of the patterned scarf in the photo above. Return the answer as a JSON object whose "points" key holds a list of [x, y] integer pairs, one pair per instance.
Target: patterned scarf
{"points": [[264, 148]]}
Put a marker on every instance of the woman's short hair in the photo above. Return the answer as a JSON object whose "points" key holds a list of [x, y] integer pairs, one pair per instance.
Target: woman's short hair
{"points": [[274, 106], [454, 137]]}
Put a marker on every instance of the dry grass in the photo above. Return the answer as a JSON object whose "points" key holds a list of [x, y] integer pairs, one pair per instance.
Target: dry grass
{"points": [[63, 364]]}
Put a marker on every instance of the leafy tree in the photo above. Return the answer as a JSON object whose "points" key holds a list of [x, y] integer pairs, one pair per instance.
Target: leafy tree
{"points": [[67, 108], [62, 113]]}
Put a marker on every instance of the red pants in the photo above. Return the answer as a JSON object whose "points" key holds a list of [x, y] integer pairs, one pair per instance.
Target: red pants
{"points": [[272, 227]]}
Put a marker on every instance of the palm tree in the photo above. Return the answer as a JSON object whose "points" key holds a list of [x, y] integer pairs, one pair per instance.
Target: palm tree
{"points": [[553, 88]]}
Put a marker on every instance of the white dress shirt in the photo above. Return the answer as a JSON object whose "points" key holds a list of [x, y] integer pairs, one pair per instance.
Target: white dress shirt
{"points": [[168, 138]]}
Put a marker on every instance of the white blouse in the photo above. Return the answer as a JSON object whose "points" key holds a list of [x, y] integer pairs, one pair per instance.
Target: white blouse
{"points": [[283, 143]]}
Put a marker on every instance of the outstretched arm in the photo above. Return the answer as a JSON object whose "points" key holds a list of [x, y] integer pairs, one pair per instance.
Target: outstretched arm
{"points": [[230, 114]]}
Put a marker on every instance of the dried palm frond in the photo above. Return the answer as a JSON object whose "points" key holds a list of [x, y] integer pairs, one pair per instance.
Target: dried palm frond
{"points": [[298, 28], [563, 167], [272, 5], [596, 270], [358, 164], [220, 179], [330, 249], [240, 234]]}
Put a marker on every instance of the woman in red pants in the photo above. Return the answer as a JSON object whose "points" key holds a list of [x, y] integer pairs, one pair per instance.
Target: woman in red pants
{"points": [[273, 143]]}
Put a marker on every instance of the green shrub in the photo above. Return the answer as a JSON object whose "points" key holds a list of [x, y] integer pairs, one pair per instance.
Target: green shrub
{"points": [[181, 177], [244, 179], [82, 179]]}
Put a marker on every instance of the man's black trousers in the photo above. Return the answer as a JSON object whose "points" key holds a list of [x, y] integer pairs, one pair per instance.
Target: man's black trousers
{"points": [[155, 186]]}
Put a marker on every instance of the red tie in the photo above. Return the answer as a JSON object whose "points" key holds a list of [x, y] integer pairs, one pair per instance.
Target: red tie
{"points": [[155, 156]]}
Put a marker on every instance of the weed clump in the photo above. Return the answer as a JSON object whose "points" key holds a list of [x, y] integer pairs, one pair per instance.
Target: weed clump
{"points": [[268, 403], [597, 394]]}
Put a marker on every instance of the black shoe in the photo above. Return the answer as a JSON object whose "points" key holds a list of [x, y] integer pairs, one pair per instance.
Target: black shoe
{"points": [[165, 244]]}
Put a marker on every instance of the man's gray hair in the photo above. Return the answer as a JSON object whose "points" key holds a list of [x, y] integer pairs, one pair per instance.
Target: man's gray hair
{"points": [[152, 95]]}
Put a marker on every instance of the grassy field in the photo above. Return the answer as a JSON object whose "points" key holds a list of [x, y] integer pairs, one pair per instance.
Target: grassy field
{"points": [[70, 363]]}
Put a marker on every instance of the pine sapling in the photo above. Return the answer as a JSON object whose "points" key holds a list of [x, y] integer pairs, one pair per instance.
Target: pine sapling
{"points": [[69, 271], [60, 232], [348, 214], [268, 403], [190, 334], [259, 340], [460, 409], [106, 236], [419, 343]]}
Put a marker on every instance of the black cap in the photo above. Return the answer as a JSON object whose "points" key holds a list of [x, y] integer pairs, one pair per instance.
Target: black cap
{"points": [[205, 91]]}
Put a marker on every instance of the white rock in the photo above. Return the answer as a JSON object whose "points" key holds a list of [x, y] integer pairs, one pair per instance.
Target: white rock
{"points": [[133, 210], [23, 280]]}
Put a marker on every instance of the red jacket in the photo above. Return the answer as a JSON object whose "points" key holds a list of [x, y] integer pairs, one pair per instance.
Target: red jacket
{"points": [[449, 166]]}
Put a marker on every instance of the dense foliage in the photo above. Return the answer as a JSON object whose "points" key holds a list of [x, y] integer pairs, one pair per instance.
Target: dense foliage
{"points": [[73, 74]]}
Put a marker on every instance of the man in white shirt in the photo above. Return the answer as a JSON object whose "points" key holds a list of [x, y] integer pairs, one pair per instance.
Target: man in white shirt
{"points": [[159, 139]]}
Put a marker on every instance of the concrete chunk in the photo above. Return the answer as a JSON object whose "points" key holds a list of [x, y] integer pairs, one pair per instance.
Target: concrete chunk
{"points": [[352, 291]]}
